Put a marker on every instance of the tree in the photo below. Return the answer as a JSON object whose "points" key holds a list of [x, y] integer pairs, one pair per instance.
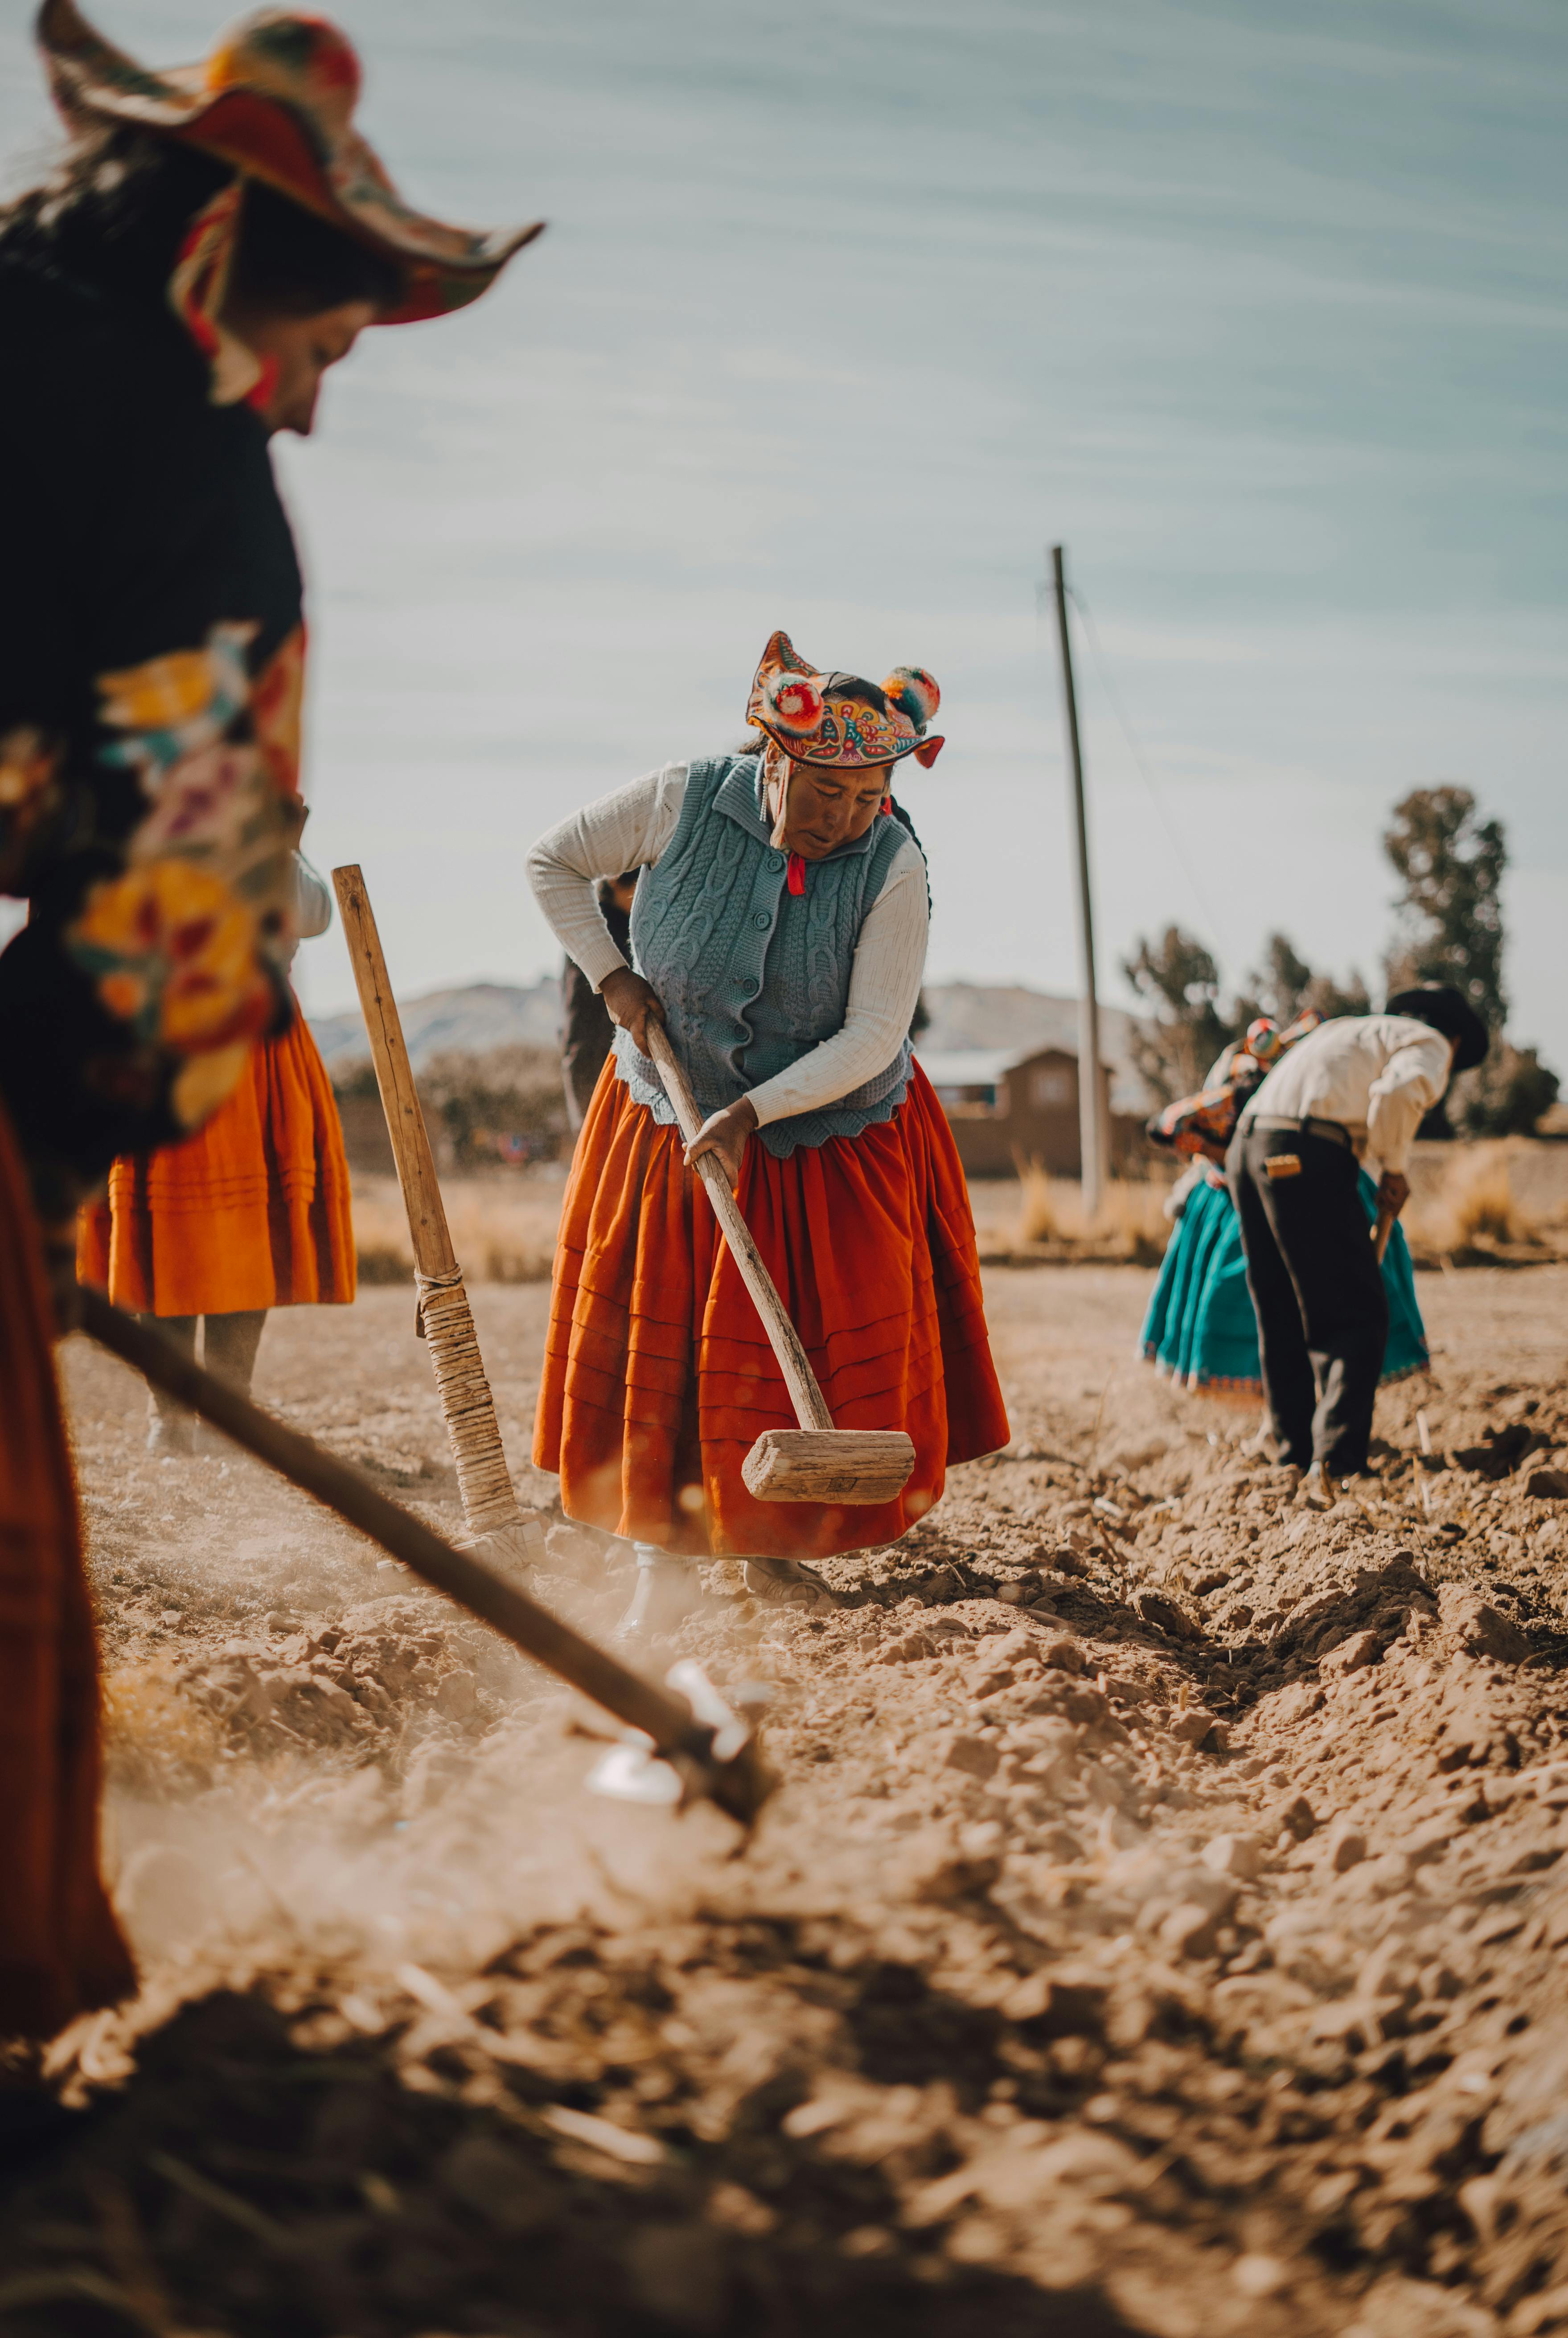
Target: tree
{"points": [[1506, 1095], [1449, 918], [1278, 986], [1285, 986], [1174, 1047], [1332, 999], [1450, 865]]}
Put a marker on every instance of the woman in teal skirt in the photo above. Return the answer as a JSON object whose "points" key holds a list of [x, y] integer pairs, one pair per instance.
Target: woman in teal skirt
{"points": [[1200, 1329]]}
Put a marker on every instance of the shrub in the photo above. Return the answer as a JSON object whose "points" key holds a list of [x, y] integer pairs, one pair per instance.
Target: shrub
{"points": [[1473, 1202], [1130, 1218], [503, 1228]]}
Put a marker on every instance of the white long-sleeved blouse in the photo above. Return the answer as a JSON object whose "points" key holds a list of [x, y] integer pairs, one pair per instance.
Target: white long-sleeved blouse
{"points": [[633, 826], [1376, 1075]]}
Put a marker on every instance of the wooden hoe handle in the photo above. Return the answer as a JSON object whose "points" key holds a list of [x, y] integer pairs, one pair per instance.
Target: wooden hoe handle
{"points": [[739, 1785], [811, 1410]]}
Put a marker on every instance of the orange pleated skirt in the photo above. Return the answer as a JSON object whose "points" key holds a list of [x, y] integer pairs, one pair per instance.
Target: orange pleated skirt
{"points": [[251, 1211], [61, 1952], [658, 1377]]}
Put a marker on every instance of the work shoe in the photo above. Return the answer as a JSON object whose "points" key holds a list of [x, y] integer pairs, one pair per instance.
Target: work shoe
{"points": [[1318, 1491], [667, 1590], [171, 1439], [786, 1583]]}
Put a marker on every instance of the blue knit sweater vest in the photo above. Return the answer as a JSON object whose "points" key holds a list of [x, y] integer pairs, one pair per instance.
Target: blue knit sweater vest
{"points": [[751, 976]]}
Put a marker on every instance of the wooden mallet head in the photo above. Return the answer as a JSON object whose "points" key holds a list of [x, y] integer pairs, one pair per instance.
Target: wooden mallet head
{"points": [[829, 1465]]}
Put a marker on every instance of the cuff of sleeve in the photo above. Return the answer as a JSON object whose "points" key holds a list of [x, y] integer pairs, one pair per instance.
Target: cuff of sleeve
{"points": [[766, 1103], [599, 960]]}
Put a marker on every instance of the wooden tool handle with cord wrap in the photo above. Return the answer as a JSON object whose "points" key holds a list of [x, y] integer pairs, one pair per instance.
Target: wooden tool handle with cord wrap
{"points": [[468, 1408], [811, 1407]]}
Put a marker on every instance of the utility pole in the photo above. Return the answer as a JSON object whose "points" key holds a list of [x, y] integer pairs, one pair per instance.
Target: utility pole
{"points": [[1093, 1149]]}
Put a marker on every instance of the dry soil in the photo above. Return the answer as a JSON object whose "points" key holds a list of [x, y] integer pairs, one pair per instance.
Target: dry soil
{"points": [[1159, 1926]]}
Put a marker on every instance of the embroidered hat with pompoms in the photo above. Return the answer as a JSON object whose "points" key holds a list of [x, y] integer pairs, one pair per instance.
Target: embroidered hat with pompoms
{"points": [[838, 719], [275, 101]]}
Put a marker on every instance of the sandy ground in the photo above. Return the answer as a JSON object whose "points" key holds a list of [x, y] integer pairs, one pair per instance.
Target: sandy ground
{"points": [[1157, 1928]]}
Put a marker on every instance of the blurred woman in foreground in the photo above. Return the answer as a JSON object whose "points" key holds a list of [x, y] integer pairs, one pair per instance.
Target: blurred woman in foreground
{"points": [[214, 239]]}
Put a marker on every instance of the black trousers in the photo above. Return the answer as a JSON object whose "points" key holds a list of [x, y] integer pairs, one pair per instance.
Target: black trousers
{"points": [[1317, 1291]]}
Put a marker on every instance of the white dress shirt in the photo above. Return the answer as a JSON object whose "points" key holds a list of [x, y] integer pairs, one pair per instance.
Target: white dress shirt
{"points": [[1378, 1075], [634, 826]]}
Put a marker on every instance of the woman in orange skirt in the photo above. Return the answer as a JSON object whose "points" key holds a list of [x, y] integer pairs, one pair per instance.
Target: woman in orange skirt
{"points": [[251, 1213], [779, 934]]}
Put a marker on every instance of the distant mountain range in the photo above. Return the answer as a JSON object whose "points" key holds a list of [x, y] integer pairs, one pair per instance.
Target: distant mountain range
{"points": [[469, 1021], [484, 1014]]}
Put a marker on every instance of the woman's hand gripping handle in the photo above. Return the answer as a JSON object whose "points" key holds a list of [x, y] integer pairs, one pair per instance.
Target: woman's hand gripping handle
{"points": [[810, 1405], [634, 1004]]}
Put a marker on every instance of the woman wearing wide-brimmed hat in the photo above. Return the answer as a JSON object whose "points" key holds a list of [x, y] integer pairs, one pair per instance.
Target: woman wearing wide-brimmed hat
{"points": [[213, 240], [779, 933]]}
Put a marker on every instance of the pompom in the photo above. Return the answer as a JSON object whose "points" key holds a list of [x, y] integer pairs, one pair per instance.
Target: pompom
{"points": [[913, 693], [795, 702], [1263, 1039]]}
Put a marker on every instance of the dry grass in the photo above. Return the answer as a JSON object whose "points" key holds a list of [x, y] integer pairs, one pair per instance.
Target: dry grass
{"points": [[1472, 1203], [503, 1228], [1130, 1220]]}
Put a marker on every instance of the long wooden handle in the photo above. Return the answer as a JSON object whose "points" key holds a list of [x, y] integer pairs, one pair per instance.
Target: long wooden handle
{"points": [[810, 1408], [445, 1317], [1382, 1231], [740, 1786], [433, 1253]]}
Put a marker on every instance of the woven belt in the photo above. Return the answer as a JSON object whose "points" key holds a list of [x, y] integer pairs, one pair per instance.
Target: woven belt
{"points": [[1331, 1131]]}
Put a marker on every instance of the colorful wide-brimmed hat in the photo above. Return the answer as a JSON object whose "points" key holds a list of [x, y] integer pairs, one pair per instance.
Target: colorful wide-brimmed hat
{"points": [[274, 101], [837, 718]]}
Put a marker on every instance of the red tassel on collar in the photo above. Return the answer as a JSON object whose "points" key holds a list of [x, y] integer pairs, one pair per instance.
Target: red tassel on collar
{"points": [[794, 877]]}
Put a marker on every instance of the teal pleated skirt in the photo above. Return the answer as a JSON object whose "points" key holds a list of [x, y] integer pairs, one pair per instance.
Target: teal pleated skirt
{"points": [[1200, 1327]]}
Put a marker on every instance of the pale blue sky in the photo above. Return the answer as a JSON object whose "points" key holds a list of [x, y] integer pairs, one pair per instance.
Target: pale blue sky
{"points": [[844, 313]]}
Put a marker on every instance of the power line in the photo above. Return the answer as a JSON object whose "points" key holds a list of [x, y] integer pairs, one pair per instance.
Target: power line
{"points": [[1172, 833]]}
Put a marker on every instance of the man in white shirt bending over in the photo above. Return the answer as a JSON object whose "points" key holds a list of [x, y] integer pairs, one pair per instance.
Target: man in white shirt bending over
{"points": [[1359, 1085]]}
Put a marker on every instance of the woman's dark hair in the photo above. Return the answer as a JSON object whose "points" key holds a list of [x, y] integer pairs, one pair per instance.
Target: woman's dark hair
{"points": [[854, 685], [117, 211], [292, 263]]}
